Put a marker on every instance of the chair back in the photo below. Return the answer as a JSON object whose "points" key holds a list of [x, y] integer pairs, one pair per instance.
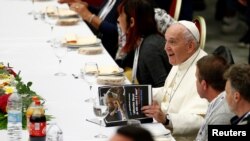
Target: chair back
{"points": [[175, 9], [224, 52], [201, 25]]}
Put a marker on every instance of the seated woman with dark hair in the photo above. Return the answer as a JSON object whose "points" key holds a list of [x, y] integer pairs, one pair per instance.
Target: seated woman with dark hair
{"points": [[132, 133], [144, 44]]}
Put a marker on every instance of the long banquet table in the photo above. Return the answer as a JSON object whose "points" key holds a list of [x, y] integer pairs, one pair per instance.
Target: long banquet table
{"points": [[23, 45]]}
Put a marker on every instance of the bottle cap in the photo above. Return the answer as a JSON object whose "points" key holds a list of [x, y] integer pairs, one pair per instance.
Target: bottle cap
{"points": [[34, 98]]}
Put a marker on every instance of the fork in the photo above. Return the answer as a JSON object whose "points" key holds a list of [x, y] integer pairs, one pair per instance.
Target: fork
{"points": [[75, 76]]}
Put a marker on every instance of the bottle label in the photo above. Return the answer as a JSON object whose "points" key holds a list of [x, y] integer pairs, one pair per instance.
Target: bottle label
{"points": [[14, 116], [37, 129]]}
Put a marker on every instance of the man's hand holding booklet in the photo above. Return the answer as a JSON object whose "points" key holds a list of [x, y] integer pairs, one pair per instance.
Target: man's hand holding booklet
{"points": [[125, 102]]}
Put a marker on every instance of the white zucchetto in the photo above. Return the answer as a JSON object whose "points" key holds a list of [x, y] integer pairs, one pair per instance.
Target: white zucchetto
{"points": [[192, 28]]}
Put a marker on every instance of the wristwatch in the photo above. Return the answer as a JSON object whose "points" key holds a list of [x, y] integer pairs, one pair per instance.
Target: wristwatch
{"points": [[167, 120]]}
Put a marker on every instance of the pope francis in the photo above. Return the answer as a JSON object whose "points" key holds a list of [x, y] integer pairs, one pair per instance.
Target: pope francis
{"points": [[177, 105]]}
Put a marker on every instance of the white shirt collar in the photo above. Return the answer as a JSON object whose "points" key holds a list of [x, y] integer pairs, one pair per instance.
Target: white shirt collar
{"points": [[188, 62], [220, 96]]}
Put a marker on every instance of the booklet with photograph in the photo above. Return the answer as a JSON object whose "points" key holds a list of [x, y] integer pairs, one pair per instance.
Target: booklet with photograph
{"points": [[125, 102]]}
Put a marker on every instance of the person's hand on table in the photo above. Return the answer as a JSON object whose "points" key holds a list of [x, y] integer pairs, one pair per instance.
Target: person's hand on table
{"points": [[81, 9]]}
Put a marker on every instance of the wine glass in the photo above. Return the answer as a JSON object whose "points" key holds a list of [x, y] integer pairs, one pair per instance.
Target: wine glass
{"points": [[35, 12], [100, 111], [60, 51], [89, 73], [32, 9], [51, 17]]}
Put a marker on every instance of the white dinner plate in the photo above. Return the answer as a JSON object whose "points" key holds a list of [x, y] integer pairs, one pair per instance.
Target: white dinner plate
{"points": [[87, 44], [108, 70]]}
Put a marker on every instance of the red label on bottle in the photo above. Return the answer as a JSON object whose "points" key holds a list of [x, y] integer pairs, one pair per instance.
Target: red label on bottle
{"points": [[37, 129]]}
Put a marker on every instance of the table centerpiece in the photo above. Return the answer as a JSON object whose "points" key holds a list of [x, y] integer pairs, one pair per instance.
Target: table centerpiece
{"points": [[8, 81]]}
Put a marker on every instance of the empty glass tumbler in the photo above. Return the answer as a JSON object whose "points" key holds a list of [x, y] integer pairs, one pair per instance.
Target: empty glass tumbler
{"points": [[54, 133]]}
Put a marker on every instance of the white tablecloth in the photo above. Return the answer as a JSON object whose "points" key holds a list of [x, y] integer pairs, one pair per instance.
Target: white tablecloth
{"points": [[23, 45]]}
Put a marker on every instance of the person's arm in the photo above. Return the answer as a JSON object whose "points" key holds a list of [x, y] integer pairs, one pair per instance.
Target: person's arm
{"points": [[91, 8], [185, 122], [86, 15], [107, 28], [94, 21], [109, 36]]}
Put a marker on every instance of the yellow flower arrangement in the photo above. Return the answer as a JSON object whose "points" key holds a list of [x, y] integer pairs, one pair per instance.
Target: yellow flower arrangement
{"points": [[9, 89], [8, 80]]}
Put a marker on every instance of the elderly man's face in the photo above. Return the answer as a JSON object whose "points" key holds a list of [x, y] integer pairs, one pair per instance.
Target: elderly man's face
{"points": [[177, 47]]}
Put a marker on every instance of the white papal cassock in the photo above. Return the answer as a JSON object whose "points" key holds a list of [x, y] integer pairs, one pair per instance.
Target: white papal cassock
{"points": [[179, 99]]}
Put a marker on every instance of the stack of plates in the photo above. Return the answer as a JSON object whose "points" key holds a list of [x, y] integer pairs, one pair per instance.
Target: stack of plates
{"points": [[66, 16], [68, 21], [110, 75]]}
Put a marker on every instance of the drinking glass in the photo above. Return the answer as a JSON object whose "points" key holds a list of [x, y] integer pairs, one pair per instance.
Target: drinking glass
{"points": [[32, 7], [60, 51], [35, 11], [51, 17], [89, 73], [100, 111]]}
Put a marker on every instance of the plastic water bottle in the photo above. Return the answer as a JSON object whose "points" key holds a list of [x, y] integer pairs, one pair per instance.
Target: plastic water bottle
{"points": [[14, 108], [54, 133]]}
